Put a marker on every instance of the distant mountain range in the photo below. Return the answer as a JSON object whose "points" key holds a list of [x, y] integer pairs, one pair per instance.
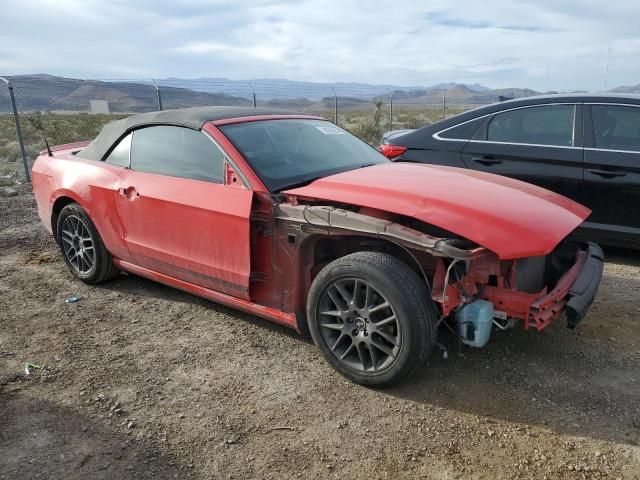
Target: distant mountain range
{"points": [[627, 89], [51, 93], [282, 88]]}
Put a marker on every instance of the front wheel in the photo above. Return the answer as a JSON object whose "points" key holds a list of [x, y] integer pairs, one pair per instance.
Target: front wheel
{"points": [[372, 317]]}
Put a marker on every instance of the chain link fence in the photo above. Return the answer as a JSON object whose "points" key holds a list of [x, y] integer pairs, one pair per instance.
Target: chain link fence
{"points": [[70, 110]]}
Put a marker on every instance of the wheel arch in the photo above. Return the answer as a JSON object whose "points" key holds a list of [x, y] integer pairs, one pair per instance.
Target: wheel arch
{"points": [[62, 201], [317, 251]]}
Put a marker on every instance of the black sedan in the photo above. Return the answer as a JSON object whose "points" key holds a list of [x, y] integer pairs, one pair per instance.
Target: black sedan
{"points": [[586, 147]]}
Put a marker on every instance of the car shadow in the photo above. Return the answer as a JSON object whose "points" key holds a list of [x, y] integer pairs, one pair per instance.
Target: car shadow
{"points": [[41, 439], [622, 256], [579, 382], [139, 286]]}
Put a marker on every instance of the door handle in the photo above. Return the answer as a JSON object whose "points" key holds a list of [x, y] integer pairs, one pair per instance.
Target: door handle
{"points": [[129, 192], [607, 173], [487, 161]]}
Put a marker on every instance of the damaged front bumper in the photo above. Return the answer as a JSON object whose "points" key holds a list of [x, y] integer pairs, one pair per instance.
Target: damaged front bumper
{"points": [[583, 289], [488, 280]]}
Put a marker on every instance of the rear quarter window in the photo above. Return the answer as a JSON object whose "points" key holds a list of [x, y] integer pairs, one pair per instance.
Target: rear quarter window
{"points": [[121, 153], [464, 131]]}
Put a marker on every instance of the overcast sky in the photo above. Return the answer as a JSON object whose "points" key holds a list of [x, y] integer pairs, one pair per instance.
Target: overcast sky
{"points": [[543, 44]]}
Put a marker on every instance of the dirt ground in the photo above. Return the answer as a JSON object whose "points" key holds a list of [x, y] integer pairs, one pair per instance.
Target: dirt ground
{"points": [[141, 381]]}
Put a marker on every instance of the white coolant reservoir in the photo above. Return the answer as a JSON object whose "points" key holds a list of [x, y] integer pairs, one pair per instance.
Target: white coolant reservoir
{"points": [[474, 322]]}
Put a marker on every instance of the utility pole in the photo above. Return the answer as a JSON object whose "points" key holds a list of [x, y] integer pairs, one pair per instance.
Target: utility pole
{"points": [[606, 73], [16, 117]]}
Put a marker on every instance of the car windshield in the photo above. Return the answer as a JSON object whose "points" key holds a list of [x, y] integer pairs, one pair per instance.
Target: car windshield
{"points": [[291, 152]]}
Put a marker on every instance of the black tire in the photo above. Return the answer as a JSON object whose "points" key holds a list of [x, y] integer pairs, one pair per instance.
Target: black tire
{"points": [[393, 283], [93, 269]]}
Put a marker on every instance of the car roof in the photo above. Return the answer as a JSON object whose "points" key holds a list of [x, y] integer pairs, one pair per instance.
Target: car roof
{"points": [[542, 99], [417, 138], [574, 97], [193, 118], [196, 117]]}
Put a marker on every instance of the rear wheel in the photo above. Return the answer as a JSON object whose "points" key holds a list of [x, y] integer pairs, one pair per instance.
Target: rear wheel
{"points": [[81, 246], [372, 317]]}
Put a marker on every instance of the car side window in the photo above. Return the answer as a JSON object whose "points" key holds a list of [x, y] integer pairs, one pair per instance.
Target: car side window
{"points": [[543, 125], [464, 131], [177, 152], [616, 127], [120, 155]]}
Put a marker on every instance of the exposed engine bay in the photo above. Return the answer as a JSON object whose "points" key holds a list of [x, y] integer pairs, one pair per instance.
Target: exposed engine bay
{"points": [[473, 288]]}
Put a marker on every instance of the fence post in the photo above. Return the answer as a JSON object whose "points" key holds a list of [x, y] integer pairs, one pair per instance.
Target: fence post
{"points": [[390, 110], [444, 104], [335, 106], [157, 94], [253, 93], [25, 162]]}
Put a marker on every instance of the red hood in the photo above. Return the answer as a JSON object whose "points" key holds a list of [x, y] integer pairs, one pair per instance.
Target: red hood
{"points": [[511, 218]]}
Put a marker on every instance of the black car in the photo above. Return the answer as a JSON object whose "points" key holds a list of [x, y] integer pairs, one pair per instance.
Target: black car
{"points": [[585, 147]]}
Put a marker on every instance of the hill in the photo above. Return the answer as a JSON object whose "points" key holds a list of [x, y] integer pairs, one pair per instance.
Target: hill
{"points": [[635, 89], [50, 93]]}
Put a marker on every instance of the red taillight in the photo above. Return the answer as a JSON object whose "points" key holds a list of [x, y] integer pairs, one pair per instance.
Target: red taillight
{"points": [[392, 151]]}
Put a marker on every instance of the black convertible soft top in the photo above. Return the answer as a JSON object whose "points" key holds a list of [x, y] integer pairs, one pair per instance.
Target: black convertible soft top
{"points": [[193, 118]]}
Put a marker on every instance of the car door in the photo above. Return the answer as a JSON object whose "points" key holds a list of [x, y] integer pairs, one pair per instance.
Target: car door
{"points": [[539, 144], [612, 169], [178, 215]]}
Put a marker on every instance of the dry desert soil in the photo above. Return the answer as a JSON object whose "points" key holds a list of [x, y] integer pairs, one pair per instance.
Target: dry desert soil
{"points": [[137, 380]]}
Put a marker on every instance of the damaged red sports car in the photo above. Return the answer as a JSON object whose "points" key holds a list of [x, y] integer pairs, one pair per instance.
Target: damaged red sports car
{"points": [[293, 219]]}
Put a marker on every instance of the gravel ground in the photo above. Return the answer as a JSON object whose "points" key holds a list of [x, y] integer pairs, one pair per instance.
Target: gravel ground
{"points": [[141, 381]]}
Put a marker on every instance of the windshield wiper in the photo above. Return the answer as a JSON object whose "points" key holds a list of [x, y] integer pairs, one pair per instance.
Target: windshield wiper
{"points": [[302, 183], [307, 181]]}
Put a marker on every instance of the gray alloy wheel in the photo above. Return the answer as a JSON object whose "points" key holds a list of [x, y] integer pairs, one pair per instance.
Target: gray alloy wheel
{"points": [[81, 245], [372, 317], [77, 245], [359, 325]]}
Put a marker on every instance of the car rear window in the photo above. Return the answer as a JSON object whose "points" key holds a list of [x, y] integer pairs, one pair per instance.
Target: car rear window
{"points": [[464, 131], [544, 125]]}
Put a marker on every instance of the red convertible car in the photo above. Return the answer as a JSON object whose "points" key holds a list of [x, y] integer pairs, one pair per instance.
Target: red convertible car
{"points": [[293, 219]]}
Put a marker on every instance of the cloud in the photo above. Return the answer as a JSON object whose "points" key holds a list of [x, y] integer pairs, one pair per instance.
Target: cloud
{"points": [[261, 52], [445, 19], [547, 44]]}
